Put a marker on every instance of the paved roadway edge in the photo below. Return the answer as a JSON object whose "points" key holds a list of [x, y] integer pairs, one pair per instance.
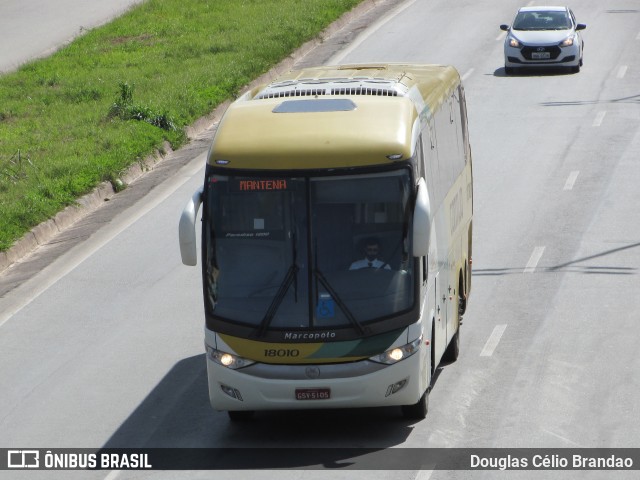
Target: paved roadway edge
{"points": [[369, 10]]}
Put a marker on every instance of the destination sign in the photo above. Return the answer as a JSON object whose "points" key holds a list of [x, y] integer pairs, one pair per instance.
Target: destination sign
{"points": [[259, 185]]}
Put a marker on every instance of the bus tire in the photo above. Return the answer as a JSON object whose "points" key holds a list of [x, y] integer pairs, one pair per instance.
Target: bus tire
{"points": [[453, 349], [240, 415], [417, 411], [462, 298]]}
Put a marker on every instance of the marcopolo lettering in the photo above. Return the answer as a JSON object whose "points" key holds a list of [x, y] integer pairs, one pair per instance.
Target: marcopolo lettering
{"points": [[309, 336]]}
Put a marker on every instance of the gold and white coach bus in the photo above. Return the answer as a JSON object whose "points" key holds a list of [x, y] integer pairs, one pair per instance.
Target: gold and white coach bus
{"points": [[302, 174]]}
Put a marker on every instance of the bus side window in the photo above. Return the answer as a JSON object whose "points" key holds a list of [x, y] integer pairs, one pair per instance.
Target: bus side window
{"points": [[431, 165], [425, 270], [463, 125], [456, 111], [422, 173], [447, 147]]}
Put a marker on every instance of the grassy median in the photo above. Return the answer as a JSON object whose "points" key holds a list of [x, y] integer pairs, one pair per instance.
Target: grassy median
{"points": [[113, 96]]}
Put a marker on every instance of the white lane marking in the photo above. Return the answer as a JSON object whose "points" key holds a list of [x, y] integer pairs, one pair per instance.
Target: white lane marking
{"points": [[493, 341], [500, 36], [533, 260], [340, 56], [622, 71], [423, 474], [638, 36], [23, 295], [599, 118], [467, 75], [564, 439], [571, 180], [113, 475]]}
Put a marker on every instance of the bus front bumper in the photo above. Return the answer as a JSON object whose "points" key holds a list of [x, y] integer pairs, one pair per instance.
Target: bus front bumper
{"points": [[277, 388]]}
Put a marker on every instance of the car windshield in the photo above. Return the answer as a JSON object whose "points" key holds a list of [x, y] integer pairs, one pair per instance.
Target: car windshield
{"points": [[542, 20], [285, 252]]}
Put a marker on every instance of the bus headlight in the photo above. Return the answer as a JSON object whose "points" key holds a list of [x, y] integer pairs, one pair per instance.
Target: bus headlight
{"points": [[396, 354], [228, 360]]}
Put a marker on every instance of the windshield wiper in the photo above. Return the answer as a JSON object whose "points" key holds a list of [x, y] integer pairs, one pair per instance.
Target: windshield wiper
{"points": [[347, 313], [289, 278]]}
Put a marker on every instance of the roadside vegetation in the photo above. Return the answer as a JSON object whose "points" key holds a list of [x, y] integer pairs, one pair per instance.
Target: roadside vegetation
{"points": [[116, 94]]}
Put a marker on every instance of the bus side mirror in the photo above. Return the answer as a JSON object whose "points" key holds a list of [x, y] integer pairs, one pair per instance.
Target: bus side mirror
{"points": [[421, 221], [187, 229]]}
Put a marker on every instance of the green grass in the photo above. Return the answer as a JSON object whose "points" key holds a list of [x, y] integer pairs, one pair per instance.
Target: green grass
{"points": [[112, 97]]}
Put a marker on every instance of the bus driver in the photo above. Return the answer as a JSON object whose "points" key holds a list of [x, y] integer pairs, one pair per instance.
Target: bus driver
{"points": [[370, 260]]}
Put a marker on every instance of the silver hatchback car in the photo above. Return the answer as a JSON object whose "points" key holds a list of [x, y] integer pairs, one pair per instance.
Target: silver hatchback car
{"points": [[543, 37]]}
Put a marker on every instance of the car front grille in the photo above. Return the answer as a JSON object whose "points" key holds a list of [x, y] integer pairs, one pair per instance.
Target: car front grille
{"points": [[554, 52]]}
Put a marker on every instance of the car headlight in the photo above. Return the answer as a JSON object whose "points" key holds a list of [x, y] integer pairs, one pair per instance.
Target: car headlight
{"points": [[396, 354], [567, 42], [228, 360], [513, 42]]}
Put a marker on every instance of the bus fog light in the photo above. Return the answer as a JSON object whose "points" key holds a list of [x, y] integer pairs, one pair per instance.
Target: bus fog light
{"points": [[396, 387], [232, 392]]}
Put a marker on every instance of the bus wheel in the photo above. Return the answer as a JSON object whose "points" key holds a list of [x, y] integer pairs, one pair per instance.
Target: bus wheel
{"points": [[453, 349], [462, 303], [419, 410], [240, 415], [462, 299]]}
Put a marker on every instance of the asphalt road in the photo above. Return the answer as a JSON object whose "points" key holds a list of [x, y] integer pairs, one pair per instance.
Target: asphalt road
{"points": [[104, 347], [32, 29]]}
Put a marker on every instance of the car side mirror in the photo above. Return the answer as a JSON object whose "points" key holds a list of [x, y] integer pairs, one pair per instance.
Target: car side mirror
{"points": [[581, 26], [506, 27]]}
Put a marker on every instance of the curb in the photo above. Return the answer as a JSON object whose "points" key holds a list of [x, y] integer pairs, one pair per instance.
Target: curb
{"points": [[46, 231]]}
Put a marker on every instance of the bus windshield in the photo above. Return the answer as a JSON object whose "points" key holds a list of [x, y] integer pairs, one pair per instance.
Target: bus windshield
{"points": [[308, 253]]}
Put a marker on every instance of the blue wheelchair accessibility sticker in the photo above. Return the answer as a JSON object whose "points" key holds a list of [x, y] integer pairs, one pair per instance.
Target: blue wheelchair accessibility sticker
{"points": [[326, 307]]}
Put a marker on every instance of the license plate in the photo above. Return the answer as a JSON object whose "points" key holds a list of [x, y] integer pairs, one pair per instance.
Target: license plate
{"points": [[313, 393], [540, 55]]}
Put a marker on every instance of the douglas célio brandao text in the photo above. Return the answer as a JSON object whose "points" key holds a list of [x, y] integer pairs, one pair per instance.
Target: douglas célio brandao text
{"points": [[550, 462]]}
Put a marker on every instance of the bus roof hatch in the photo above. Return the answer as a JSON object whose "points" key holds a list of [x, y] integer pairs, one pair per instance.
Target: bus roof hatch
{"points": [[315, 106]]}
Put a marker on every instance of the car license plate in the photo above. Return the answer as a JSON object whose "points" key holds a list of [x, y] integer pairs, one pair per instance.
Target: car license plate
{"points": [[540, 55], [313, 393]]}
